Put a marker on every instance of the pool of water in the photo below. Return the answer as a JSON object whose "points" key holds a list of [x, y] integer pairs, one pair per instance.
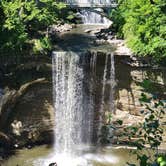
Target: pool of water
{"points": [[103, 156], [78, 40]]}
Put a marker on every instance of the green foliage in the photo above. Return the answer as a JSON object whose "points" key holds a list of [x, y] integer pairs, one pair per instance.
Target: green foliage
{"points": [[12, 29], [143, 25], [118, 22], [147, 85], [161, 160], [120, 122], [150, 131], [42, 45], [22, 20]]}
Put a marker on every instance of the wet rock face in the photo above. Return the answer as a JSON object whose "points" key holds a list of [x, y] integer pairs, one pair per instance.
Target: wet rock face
{"points": [[35, 112]]}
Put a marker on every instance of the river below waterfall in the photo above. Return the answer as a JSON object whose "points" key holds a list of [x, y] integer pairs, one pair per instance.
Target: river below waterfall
{"points": [[105, 156]]}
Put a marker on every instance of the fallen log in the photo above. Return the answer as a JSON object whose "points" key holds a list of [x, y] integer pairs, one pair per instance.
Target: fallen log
{"points": [[11, 97]]}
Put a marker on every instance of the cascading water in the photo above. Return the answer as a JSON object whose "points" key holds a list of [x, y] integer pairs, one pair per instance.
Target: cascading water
{"points": [[74, 107], [90, 2], [67, 81], [101, 110], [111, 72], [72, 121], [93, 61], [112, 84], [92, 18], [74, 95]]}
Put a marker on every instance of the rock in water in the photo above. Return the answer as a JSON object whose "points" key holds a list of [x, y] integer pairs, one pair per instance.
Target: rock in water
{"points": [[53, 164]]}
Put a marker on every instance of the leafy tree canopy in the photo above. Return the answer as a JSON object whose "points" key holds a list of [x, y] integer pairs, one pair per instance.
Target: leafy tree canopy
{"points": [[21, 20], [143, 24]]}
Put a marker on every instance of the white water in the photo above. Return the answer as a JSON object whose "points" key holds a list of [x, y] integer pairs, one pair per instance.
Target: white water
{"points": [[93, 61], [112, 84], [101, 111], [68, 101], [108, 70], [93, 66], [92, 18], [90, 2], [74, 103], [74, 108]]}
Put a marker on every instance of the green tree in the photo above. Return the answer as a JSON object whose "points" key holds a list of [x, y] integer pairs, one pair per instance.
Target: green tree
{"points": [[143, 25], [22, 20], [150, 132]]}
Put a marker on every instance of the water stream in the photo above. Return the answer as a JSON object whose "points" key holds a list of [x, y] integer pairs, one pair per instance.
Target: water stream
{"points": [[74, 102], [94, 18], [68, 101], [97, 2]]}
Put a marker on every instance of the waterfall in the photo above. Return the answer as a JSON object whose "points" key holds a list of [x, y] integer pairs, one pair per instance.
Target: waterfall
{"points": [[101, 111], [68, 101], [90, 17], [92, 80], [93, 61], [74, 77], [111, 72], [112, 84]]}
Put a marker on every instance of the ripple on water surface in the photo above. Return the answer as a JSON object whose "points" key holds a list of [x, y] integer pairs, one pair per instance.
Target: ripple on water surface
{"points": [[43, 156], [84, 160]]}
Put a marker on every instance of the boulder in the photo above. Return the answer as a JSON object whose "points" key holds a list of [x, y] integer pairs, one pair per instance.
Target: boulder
{"points": [[53, 164], [60, 28]]}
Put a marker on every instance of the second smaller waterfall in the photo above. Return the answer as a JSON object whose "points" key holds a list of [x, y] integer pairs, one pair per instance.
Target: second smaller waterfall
{"points": [[92, 17], [112, 84]]}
